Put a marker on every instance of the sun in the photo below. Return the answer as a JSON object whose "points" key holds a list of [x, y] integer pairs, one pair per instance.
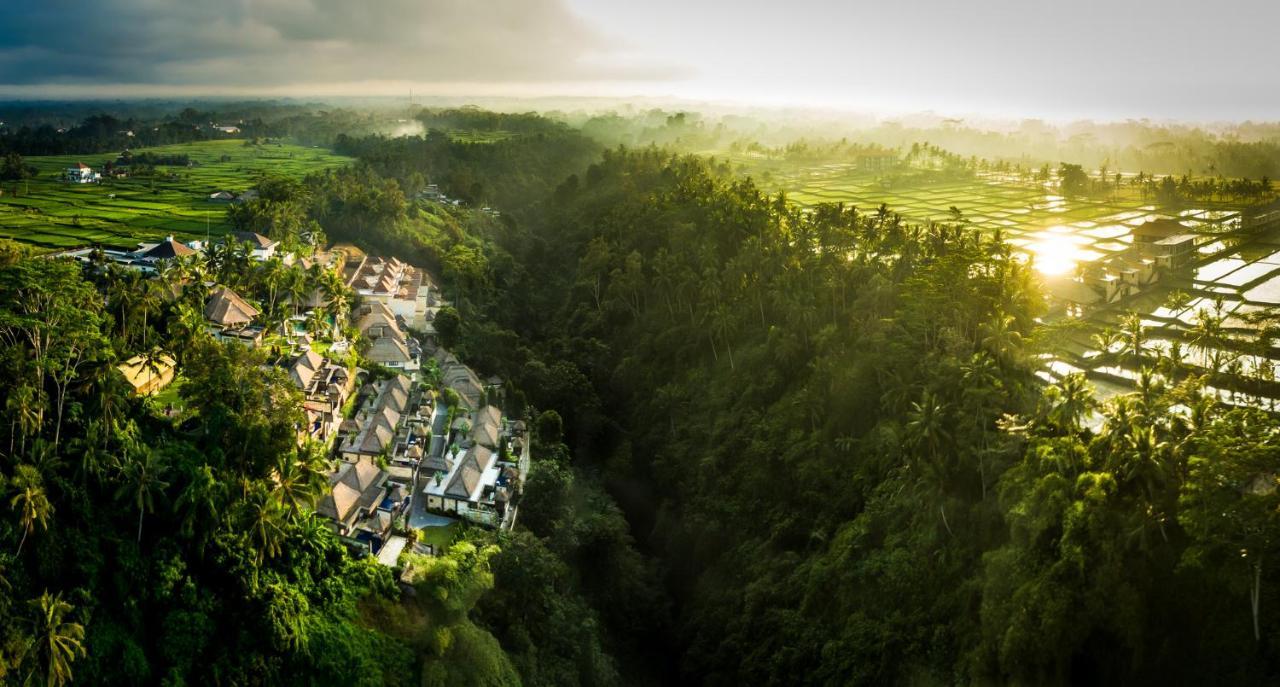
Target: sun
{"points": [[1055, 254]]}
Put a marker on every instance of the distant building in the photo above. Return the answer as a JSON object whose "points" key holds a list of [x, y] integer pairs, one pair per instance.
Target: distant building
{"points": [[401, 287], [168, 249], [82, 174], [261, 248], [361, 503], [230, 318], [147, 376], [391, 347]]}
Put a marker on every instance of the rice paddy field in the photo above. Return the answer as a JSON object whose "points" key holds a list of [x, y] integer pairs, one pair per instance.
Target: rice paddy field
{"points": [[1234, 276], [120, 213]]}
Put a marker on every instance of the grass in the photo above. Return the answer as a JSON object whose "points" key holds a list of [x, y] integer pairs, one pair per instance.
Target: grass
{"points": [[51, 214], [170, 395], [439, 537]]}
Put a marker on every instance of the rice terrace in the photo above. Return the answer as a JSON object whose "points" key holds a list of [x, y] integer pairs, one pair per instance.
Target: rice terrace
{"points": [[174, 200]]}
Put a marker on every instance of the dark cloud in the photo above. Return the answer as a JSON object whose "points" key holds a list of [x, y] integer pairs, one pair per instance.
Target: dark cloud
{"points": [[255, 43]]}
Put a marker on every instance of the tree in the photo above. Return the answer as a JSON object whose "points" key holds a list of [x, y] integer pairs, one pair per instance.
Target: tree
{"points": [[301, 477], [200, 501], [262, 519], [1073, 181], [58, 642], [14, 169], [141, 480], [448, 326], [1231, 506], [30, 501]]}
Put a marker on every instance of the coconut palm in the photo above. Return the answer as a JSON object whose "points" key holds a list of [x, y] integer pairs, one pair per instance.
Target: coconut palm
{"points": [[30, 501], [1071, 400], [141, 479], [301, 478], [263, 519], [199, 502], [57, 642], [25, 407]]}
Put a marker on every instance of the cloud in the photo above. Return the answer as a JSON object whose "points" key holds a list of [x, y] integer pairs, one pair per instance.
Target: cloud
{"points": [[262, 43]]}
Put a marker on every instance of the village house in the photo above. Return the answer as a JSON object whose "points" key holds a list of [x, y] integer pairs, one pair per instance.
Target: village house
{"points": [[401, 287], [390, 347], [379, 421], [148, 375], [230, 318], [362, 503], [151, 254], [261, 248], [81, 174], [325, 387], [475, 469], [454, 375]]}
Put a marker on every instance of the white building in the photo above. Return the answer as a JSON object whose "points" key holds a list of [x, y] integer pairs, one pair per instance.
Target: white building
{"points": [[261, 248], [82, 174]]}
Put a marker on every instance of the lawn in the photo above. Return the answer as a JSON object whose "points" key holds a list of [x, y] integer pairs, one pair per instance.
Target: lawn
{"points": [[120, 213], [439, 537]]}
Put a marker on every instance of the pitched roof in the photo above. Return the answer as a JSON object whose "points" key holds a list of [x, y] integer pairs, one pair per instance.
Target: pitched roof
{"points": [[1160, 228], [304, 368], [487, 426], [376, 325], [380, 431], [1072, 291], [255, 239], [461, 379], [140, 374], [227, 308], [354, 485], [467, 477], [388, 349], [167, 249]]}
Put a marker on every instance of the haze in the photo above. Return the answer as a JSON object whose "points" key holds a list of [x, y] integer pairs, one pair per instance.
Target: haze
{"points": [[1106, 60]]}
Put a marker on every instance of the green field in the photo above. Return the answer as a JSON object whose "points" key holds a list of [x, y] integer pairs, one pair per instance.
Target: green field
{"points": [[54, 215]]}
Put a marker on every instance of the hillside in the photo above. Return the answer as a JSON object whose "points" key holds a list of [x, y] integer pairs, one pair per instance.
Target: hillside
{"points": [[51, 214]]}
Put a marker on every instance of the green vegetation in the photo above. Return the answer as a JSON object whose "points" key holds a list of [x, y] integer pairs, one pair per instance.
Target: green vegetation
{"points": [[120, 213], [774, 442]]}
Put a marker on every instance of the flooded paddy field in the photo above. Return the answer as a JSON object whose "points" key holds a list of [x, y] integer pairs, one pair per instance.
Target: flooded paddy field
{"points": [[1204, 311]]}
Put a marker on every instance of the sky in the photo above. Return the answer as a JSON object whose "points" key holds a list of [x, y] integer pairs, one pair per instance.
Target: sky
{"points": [[1113, 59]]}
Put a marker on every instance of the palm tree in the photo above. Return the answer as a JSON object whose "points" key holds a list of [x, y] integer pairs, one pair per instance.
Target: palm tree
{"points": [[1001, 337], [199, 502], [148, 304], [57, 643], [154, 362], [25, 406], [1134, 337], [297, 286], [301, 478], [1106, 342], [263, 521], [30, 501], [316, 323], [337, 298], [140, 481], [1071, 400]]}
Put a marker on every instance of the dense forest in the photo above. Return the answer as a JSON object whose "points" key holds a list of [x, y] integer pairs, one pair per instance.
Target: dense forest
{"points": [[824, 429], [771, 447]]}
